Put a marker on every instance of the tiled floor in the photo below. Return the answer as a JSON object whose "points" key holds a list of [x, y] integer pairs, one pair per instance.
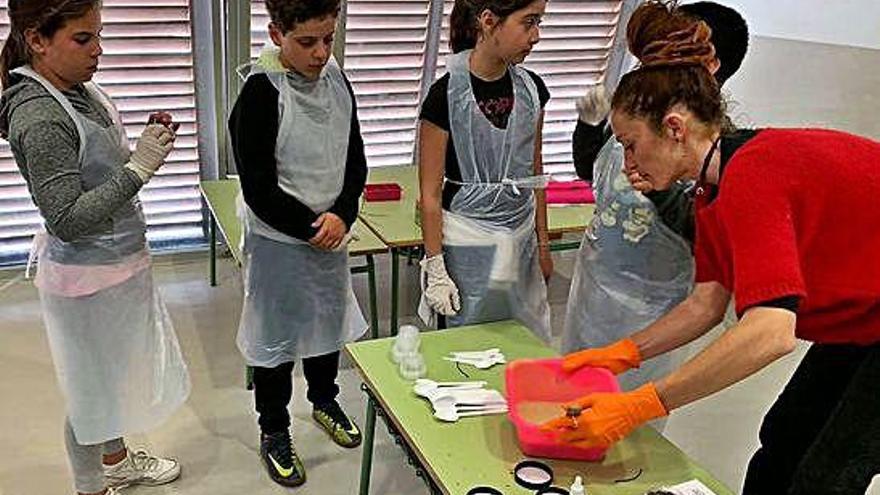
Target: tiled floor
{"points": [[215, 435]]}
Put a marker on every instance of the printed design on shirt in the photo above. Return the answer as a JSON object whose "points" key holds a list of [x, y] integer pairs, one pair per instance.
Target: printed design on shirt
{"points": [[621, 182], [497, 110], [638, 224], [608, 216], [630, 211]]}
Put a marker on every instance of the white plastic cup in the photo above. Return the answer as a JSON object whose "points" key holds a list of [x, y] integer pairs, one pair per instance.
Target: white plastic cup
{"points": [[412, 366], [406, 342], [408, 332]]}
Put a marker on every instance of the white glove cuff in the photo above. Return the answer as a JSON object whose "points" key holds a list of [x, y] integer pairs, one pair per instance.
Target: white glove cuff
{"points": [[144, 173], [434, 266]]}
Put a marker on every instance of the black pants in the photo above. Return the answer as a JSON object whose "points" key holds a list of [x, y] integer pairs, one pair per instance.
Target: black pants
{"points": [[822, 435], [273, 388]]}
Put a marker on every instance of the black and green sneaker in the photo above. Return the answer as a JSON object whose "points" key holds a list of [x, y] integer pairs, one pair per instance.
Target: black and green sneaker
{"points": [[337, 424], [280, 459]]}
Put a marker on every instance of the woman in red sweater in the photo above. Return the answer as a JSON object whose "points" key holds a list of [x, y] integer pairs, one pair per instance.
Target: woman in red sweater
{"points": [[788, 224]]}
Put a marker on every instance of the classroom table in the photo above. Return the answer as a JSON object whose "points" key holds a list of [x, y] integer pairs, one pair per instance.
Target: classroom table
{"points": [[454, 457], [220, 196], [394, 222]]}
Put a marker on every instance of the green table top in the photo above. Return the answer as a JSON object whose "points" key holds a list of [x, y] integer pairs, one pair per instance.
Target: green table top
{"points": [[220, 196], [568, 218], [394, 221], [483, 450]]}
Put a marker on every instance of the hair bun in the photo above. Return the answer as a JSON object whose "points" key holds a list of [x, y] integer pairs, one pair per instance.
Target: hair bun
{"points": [[658, 35]]}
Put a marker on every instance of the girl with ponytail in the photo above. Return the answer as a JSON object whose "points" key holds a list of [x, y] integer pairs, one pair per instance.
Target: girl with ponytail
{"points": [[483, 211], [115, 352]]}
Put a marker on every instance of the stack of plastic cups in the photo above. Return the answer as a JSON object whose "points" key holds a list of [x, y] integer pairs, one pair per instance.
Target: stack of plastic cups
{"points": [[405, 352]]}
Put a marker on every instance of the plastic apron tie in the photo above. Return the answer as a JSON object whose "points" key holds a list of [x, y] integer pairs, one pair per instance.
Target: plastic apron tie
{"points": [[37, 245], [533, 182]]}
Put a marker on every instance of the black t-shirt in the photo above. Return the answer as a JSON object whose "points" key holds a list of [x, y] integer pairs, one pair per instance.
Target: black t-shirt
{"points": [[495, 99], [253, 131]]}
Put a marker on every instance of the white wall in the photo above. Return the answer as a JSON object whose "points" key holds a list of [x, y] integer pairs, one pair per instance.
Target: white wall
{"points": [[844, 22], [795, 84]]}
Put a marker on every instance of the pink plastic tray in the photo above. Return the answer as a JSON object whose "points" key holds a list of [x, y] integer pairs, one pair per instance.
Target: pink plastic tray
{"points": [[542, 380]]}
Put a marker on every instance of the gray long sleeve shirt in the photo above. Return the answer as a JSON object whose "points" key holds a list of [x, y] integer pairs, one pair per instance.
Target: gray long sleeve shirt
{"points": [[45, 145]]}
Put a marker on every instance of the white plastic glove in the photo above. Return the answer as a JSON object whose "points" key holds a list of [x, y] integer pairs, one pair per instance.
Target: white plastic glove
{"points": [[594, 106], [150, 152], [440, 291]]}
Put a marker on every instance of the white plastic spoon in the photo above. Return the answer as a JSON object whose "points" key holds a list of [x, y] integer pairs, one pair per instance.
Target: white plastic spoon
{"points": [[482, 363], [477, 354], [468, 396], [449, 401], [447, 384], [427, 388], [451, 415]]}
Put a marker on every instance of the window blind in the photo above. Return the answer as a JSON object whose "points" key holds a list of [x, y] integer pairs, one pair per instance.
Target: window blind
{"points": [[147, 66], [384, 54]]}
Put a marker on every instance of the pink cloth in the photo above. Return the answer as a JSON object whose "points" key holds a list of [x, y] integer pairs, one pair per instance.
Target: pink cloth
{"points": [[81, 280], [573, 192]]}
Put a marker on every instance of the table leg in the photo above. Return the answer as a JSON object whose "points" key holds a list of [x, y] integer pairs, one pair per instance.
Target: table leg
{"points": [[374, 312], [564, 245], [248, 378], [367, 456], [395, 290], [213, 240]]}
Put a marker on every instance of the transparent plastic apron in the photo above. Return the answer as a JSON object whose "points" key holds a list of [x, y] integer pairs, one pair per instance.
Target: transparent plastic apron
{"points": [[631, 269], [115, 350], [489, 236], [299, 301]]}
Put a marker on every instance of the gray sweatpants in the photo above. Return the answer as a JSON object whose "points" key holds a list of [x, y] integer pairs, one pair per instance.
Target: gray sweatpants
{"points": [[87, 460]]}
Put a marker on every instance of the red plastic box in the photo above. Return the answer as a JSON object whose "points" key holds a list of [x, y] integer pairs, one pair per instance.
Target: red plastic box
{"points": [[387, 191], [543, 380]]}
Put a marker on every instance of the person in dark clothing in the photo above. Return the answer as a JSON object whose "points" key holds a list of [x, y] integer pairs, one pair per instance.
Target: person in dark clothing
{"points": [[300, 156], [730, 37]]}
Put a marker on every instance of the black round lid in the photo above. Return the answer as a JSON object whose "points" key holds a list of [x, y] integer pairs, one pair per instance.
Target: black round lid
{"points": [[552, 490], [483, 490], [533, 475]]}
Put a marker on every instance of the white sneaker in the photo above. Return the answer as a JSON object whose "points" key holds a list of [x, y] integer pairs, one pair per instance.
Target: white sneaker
{"points": [[141, 468]]}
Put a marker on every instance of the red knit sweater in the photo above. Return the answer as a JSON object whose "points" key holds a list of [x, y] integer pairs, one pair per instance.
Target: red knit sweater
{"points": [[798, 214]]}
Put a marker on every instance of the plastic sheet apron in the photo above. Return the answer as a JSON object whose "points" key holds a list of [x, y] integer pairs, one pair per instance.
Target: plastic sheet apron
{"points": [[115, 351], [489, 236], [631, 269], [299, 301]]}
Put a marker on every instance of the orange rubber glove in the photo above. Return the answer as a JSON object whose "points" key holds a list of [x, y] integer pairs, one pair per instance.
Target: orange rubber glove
{"points": [[607, 417], [618, 357]]}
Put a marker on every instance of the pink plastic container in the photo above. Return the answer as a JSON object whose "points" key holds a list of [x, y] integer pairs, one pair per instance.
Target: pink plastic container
{"points": [[542, 380], [572, 192]]}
